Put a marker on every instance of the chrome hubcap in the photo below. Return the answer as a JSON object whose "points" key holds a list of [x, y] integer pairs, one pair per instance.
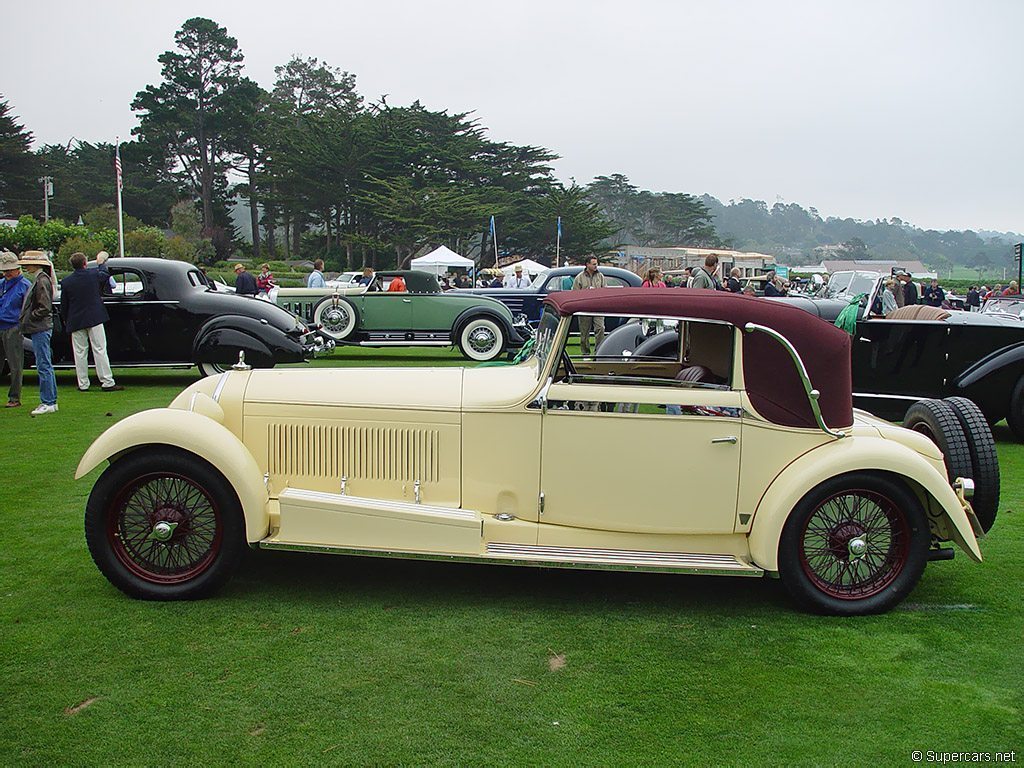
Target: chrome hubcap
{"points": [[858, 547], [335, 319], [163, 531], [482, 339]]}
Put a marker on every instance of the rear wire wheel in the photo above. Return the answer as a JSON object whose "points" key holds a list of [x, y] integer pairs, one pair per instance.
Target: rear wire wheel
{"points": [[856, 544]]}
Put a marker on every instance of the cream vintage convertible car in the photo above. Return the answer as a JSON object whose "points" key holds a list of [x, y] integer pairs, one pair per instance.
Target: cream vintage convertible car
{"points": [[744, 468]]}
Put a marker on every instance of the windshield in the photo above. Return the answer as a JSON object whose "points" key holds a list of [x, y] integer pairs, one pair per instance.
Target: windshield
{"points": [[545, 337], [538, 281], [1005, 306], [846, 285]]}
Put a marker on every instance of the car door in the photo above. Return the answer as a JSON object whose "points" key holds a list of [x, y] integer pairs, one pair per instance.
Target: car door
{"points": [[134, 313], [637, 448], [383, 311]]}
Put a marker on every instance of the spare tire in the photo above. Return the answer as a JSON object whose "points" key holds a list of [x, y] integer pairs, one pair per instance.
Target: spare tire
{"points": [[622, 341], [984, 460], [937, 420]]}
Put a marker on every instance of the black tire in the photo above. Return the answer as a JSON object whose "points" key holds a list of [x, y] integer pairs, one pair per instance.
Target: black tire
{"points": [[336, 317], [984, 460], [177, 490], [937, 420], [818, 562], [1015, 414], [212, 369], [481, 338]]}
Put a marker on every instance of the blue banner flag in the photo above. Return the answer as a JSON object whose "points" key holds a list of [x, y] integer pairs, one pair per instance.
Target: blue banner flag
{"points": [[559, 227], [492, 227]]}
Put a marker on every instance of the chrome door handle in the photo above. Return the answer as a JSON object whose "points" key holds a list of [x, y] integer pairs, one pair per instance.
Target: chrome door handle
{"points": [[730, 439], [407, 301]]}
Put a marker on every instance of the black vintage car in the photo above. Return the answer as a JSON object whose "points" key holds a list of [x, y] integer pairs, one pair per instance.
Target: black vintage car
{"points": [[915, 353], [167, 313], [529, 302]]}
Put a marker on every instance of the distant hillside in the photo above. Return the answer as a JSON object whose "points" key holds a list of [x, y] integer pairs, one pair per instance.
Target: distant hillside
{"points": [[796, 234]]}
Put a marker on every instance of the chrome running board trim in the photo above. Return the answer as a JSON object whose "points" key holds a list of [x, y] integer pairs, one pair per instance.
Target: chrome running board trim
{"points": [[379, 505], [549, 557]]}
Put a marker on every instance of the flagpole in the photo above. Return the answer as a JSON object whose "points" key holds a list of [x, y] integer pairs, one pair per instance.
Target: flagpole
{"points": [[494, 239], [120, 216]]}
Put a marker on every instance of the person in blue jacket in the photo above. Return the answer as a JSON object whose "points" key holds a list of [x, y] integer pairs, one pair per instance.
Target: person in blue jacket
{"points": [[12, 294], [83, 315]]}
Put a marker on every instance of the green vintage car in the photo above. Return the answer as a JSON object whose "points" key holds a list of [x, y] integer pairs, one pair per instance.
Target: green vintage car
{"points": [[420, 316]]}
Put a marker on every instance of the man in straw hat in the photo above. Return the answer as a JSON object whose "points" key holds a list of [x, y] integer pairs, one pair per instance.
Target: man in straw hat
{"points": [[36, 322], [12, 294], [83, 314]]}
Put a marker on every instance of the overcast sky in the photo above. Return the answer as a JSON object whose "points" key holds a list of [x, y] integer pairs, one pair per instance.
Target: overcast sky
{"points": [[861, 109]]}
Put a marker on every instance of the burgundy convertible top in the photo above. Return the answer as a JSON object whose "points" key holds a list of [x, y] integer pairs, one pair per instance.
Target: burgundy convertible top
{"points": [[772, 382]]}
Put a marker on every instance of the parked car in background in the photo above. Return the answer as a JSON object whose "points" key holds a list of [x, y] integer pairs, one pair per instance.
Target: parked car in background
{"points": [[754, 463], [167, 313], [420, 316], [528, 303]]}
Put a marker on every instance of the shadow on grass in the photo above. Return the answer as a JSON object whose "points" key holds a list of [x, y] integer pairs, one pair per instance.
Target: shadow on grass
{"points": [[321, 578]]}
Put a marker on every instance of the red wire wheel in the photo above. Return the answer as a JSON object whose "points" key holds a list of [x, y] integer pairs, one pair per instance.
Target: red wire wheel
{"points": [[854, 544], [165, 528], [164, 524]]}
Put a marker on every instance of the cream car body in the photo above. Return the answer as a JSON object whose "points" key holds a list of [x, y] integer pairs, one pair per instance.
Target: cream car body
{"points": [[512, 464]]}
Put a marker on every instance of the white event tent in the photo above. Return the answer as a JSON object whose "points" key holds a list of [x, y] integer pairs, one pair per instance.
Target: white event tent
{"points": [[530, 267], [441, 260]]}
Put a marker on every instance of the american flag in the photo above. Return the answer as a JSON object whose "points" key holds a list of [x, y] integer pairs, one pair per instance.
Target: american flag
{"points": [[117, 166]]}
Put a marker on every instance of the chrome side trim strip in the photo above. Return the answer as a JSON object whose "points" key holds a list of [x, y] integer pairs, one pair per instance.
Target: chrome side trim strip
{"points": [[733, 568], [910, 398], [362, 502], [406, 343]]}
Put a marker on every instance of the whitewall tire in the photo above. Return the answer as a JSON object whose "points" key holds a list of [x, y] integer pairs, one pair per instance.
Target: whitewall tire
{"points": [[481, 339]]}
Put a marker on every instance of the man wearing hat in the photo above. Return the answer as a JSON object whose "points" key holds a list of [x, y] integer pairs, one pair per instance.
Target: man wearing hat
{"points": [[245, 283], [83, 314], [36, 322], [518, 281], [12, 295]]}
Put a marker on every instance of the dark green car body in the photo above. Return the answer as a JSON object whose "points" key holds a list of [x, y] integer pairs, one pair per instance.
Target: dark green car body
{"points": [[420, 316]]}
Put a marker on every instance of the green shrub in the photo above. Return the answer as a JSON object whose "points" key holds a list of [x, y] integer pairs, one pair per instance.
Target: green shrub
{"points": [[145, 241], [90, 245], [179, 249]]}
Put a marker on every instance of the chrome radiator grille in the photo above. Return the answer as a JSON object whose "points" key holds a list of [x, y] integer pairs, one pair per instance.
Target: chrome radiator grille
{"points": [[402, 454]]}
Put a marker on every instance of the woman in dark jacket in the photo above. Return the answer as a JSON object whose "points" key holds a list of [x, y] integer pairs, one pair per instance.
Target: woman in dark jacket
{"points": [[36, 322]]}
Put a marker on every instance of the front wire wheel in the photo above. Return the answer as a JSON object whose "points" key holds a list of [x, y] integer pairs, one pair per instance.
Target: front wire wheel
{"points": [[856, 544], [481, 339], [164, 525]]}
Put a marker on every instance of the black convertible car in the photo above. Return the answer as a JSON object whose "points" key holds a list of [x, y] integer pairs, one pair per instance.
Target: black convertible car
{"points": [[915, 353], [168, 314]]}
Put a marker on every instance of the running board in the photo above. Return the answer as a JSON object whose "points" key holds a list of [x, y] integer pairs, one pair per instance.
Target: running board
{"points": [[554, 557]]}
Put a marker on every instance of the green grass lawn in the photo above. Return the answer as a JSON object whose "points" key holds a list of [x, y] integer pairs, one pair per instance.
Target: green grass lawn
{"points": [[319, 659]]}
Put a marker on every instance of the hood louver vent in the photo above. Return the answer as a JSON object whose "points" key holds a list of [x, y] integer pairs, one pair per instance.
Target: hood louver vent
{"points": [[402, 454]]}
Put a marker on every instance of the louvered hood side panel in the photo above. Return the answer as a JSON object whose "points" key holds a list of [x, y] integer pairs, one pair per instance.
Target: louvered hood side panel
{"points": [[377, 459]]}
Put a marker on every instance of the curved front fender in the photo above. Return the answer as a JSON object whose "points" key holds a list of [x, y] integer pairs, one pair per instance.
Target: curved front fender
{"points": [[196, 434], [852, 455]]}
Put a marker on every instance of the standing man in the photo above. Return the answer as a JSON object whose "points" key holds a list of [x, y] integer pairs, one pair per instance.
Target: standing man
{"points": [[316, 277], [245, 283], [704, 277], [733, 283], [909, 289], [83, 315], [12, 296], [518, 281], [36, 322], [933, 294], [973, 299], [585, 280]]}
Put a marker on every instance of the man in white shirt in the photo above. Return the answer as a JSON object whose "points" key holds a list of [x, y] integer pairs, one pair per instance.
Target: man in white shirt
{"points": [[518, 281]]}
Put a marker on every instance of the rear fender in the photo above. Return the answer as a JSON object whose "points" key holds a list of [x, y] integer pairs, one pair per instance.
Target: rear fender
{"points": [[852, 455], [1011, 357], [198, 435], [500, 314]]}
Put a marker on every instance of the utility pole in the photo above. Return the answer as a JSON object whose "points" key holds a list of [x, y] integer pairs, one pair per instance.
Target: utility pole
{"points": [[47, 194], [1017, 255]]}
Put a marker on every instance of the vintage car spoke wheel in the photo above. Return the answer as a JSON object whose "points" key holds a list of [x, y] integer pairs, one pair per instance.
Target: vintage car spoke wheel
{"points": [[164, 525], [984, 461], [336, 317], [481, 339], [856, 544]]}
